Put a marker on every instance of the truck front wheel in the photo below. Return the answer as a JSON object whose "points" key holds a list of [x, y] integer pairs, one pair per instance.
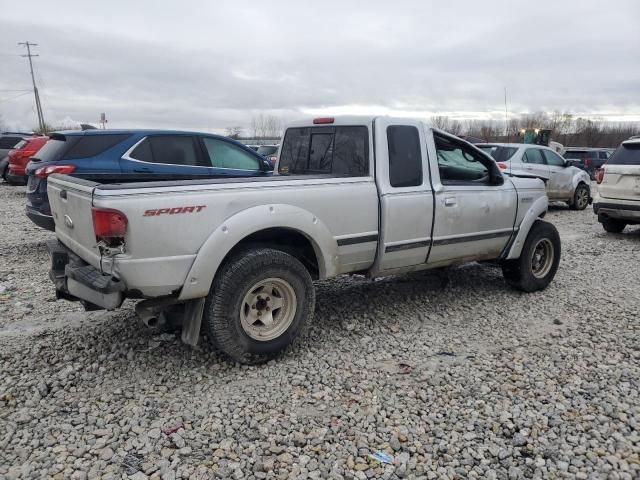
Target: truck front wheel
{"points": [[538, 260], [260, 302]]}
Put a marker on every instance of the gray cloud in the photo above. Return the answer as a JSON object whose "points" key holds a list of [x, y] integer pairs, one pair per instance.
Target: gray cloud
{"points": [[201, 65]]}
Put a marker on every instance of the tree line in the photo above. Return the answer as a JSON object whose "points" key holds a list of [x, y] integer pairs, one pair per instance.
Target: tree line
{"points": [[567, 129], [263, 127]]}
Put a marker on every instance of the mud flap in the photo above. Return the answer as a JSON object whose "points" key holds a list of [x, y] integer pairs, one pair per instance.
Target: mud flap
{"points": [[193, 311]]}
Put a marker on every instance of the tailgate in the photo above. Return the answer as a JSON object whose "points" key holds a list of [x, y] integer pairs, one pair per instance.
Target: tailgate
{"points": [[621, 182], [71, 200]]}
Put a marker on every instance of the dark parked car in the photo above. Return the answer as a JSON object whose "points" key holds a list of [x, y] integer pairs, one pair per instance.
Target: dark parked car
{"points": [[587, 159], [118, 155], [8, 141], [269, 152]]}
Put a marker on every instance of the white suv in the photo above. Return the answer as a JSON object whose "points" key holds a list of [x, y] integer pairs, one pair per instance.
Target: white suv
{"points": [[617, 202], [564, 183]]}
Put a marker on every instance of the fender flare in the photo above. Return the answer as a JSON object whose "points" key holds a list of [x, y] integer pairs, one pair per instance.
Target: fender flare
{"points": [[536, 209], [582, 177], [251, 220]]}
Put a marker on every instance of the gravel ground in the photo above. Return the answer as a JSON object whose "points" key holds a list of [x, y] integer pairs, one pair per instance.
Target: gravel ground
{"points": [[456, 377]]}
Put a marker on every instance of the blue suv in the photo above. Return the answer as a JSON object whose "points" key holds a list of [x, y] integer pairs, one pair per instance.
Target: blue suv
{"points": [[130, 155]]}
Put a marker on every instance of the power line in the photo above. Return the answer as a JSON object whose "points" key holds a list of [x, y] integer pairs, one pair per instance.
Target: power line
{"points": [[33, 79], [15, 96]]}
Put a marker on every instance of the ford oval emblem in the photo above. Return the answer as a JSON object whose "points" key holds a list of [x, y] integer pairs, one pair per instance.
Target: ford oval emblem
{"points": [[68, 222]]}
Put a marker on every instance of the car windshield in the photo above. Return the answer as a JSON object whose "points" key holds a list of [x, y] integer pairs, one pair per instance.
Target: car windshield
{"points": [[51, 150], [578, 154], [267, 149], [499, 152]]}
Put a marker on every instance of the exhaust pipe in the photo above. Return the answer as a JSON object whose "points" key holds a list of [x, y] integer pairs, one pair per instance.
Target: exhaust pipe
{"points": [[150, 311], [153, 314]]}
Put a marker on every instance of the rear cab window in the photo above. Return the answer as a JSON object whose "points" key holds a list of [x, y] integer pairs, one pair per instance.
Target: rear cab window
{"points": [[339, 150]]}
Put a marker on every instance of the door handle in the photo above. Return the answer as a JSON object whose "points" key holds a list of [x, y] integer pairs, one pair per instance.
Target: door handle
{"points": [[449, 202]]}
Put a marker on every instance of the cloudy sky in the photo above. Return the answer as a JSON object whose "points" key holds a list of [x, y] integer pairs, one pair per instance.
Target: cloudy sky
{"points": [[206, 65]]}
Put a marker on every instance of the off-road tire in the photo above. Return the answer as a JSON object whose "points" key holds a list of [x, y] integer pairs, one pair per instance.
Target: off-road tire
{"points": [[613, 225], [519, 272], [225, 300], [578, 202]]}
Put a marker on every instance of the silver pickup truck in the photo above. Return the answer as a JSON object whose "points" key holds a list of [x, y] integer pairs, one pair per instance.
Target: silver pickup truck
{"points": [[374, 196]]}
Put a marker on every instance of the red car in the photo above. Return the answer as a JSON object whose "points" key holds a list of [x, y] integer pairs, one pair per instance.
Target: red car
{"points": [[20, 156]]}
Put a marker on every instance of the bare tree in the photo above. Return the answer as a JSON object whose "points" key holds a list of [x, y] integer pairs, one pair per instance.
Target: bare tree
{"points": [[273, 126], [265, 126], [234, 132], [447, 124]]}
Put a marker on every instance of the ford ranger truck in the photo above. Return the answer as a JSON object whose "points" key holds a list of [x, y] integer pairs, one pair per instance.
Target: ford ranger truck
{"points": [[352, 195]]}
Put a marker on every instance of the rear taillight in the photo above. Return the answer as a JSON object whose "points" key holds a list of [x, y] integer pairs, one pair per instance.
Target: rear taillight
{"points": [[502, 166], [44, 172], [587, 161], [109, 225], [21, 156], [599, 175]]}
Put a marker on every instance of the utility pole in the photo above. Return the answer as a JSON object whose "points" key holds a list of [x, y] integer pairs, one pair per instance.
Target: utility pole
{"points": [[506, 116], [33, 79]]}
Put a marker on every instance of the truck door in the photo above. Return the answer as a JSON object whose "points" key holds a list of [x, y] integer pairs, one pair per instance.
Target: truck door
{"points": [[474, 218], [406, 198]]}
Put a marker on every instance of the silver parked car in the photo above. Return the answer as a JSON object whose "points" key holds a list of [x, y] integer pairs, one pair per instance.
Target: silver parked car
{"points": [[617, 202], [564, 182]]}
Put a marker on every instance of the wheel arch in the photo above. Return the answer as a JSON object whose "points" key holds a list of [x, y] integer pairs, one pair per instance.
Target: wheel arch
{"points": [[536, 210], [285, 227]]}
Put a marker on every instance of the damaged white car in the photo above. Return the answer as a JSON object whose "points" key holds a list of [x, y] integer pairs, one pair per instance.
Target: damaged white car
{"points": [[564, 183]]}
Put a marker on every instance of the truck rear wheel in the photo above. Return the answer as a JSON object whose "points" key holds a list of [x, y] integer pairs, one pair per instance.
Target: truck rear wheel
{"points": [[260, 302], [539, 259]]}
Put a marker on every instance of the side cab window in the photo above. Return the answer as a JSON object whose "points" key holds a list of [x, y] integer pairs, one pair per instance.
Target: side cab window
{"points": [[459, 163], [405, 158]]}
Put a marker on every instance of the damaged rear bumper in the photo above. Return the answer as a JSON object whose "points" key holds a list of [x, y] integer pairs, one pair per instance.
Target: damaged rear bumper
{"points": [[76, 280]]}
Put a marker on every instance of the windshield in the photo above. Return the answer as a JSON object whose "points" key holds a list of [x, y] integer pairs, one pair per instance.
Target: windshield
{"points": [[267, 150], [577, 154], [626, 155], [52, 150], [498, 152]]}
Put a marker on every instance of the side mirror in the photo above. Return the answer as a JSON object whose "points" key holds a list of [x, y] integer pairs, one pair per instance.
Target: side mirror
{"points": [[495, 175], [266, 165]]}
